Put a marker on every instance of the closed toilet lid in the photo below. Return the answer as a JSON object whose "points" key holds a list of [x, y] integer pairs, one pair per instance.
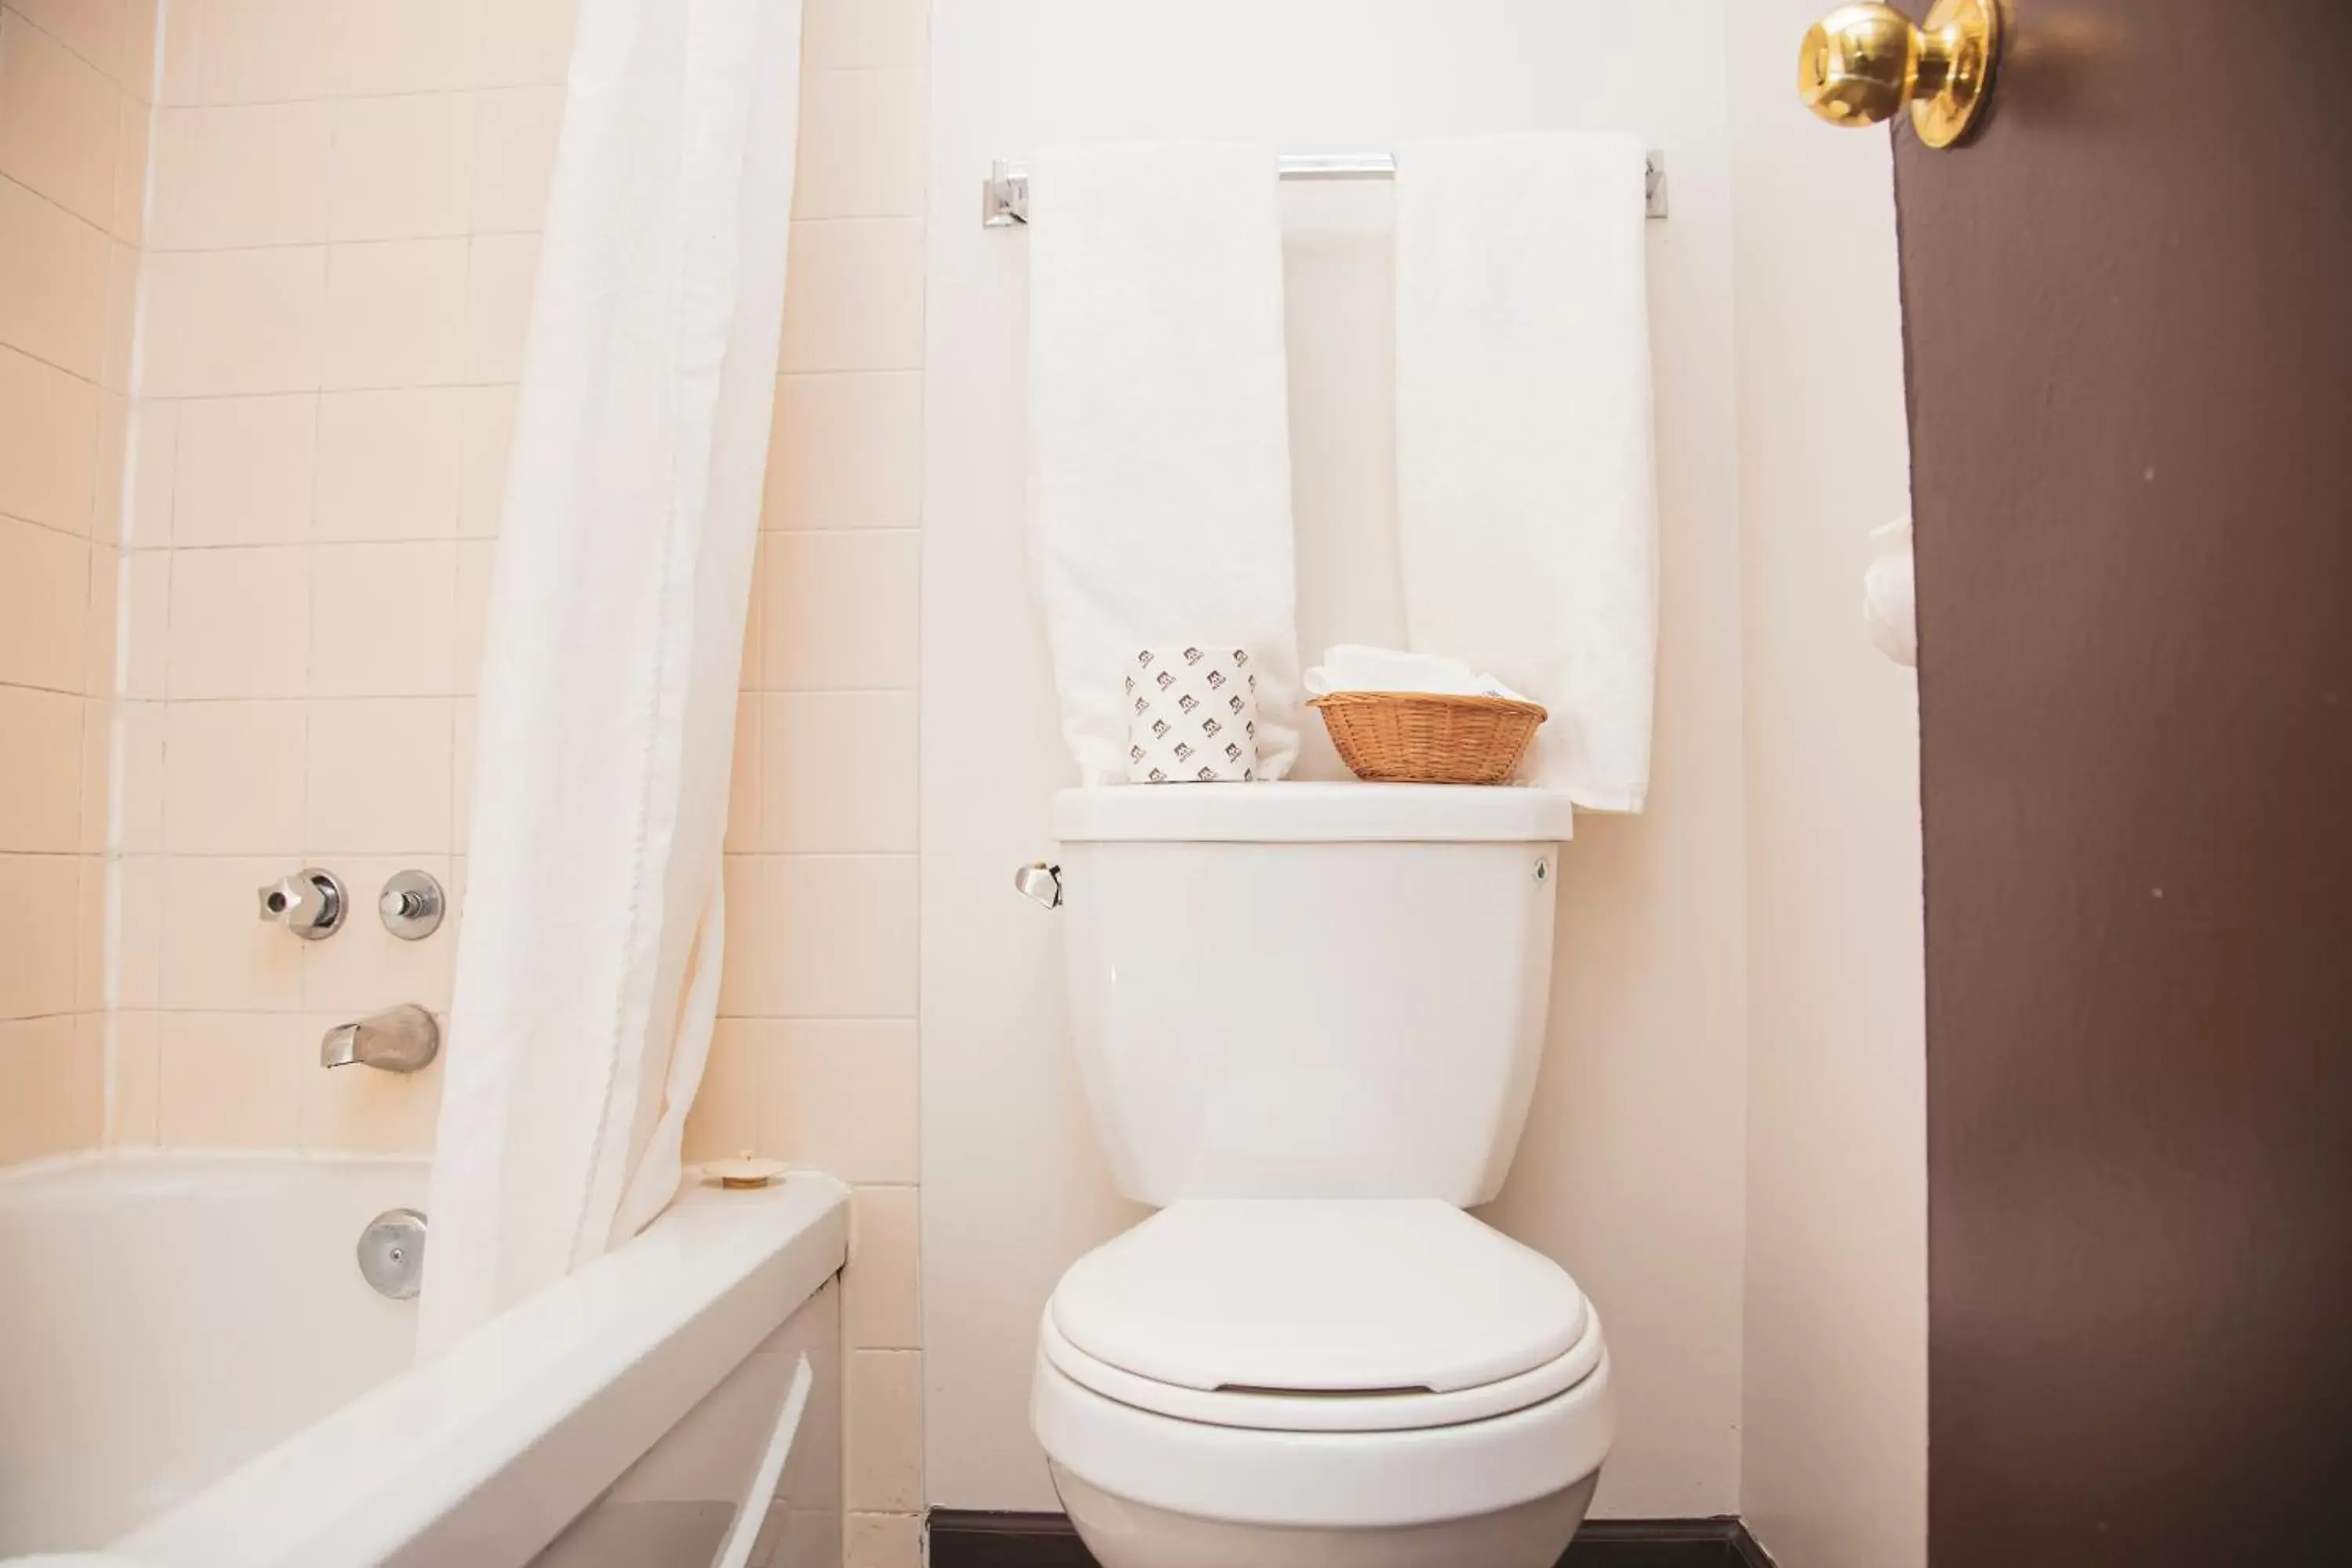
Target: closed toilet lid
{"points": [[1318, 1297]]}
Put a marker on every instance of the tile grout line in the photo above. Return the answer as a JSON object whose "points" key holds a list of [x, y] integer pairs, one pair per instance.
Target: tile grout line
{"points": [[106, 72], [874, 531]]}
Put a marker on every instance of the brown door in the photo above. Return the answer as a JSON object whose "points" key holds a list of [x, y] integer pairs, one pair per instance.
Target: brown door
{"points": [[2128, 307]]}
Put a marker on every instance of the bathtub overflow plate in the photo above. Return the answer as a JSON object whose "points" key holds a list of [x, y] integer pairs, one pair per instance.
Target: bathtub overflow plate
{"points": [[392, 1253]]}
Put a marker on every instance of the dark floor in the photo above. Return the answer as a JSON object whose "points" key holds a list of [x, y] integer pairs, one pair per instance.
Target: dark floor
{"points": [[968, 1539]]}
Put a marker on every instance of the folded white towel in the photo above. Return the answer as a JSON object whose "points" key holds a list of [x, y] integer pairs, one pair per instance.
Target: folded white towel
{"points": [[1524, 490], [1159, 428], [1352, 666], [1890, 600]]}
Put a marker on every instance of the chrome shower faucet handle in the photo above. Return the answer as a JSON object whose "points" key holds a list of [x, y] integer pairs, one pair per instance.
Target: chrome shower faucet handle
{"points": [[310, 903]]}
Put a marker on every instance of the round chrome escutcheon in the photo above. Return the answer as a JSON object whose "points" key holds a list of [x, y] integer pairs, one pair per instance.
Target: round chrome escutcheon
{"points": [[392, 1253]]}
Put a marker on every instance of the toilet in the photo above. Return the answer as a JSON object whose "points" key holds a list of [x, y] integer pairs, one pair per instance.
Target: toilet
{"points": [[1307, 1019]]}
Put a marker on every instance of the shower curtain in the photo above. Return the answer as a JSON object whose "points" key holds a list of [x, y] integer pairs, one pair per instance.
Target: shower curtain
{"points": [[589, 953]]}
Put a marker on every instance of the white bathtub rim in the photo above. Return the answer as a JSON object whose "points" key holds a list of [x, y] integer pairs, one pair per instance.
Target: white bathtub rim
{"points": [[27, 1172], [356, 1486], [32, 1172]]}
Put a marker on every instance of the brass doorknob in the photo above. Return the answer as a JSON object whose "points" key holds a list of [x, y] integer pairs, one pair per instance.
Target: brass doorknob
{"points": [[1860, 63]]}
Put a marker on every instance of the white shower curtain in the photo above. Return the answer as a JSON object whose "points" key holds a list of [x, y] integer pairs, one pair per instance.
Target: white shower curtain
{"points": [[588, 955]]}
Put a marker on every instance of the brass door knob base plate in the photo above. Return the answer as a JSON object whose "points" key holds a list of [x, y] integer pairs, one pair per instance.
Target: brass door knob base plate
{"points": [[1860, 63]]}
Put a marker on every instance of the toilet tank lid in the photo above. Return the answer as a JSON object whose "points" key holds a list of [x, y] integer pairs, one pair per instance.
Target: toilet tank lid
{"points": [[1316, 813], [1318, 1296]]}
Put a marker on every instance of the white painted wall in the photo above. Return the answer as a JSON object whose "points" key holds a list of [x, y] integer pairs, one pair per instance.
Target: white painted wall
{"points": [[1631, 1169], [1834, 1465]]}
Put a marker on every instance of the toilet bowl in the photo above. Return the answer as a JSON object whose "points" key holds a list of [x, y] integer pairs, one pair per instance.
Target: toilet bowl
{"points": [[1362, 1384], [1308, 1019]]}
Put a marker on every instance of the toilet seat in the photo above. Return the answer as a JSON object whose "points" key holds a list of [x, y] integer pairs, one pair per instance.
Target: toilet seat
{"points": [[1383, 1300], [1337, 1362], [1353, 1480], [1265, 1411]]}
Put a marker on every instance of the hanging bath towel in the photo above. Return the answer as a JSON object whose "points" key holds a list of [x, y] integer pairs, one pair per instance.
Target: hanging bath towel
{"points": [[1526, 492], [1158, 429]]}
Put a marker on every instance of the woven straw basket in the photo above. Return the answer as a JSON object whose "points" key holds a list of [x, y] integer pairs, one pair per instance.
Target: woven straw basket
{"points": [[1420, 736]]}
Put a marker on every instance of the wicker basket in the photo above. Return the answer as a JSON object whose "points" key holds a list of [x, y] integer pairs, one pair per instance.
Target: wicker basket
{"points": [[1420, 736]]}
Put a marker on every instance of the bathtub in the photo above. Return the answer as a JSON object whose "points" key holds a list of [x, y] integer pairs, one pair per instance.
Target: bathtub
{"points": [[193, 1371]]}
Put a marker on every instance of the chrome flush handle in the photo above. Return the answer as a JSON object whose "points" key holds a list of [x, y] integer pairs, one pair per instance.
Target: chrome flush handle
{"points": [[1041, 882]]}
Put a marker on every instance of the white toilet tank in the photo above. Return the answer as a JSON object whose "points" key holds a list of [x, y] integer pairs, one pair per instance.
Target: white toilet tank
{"points": [[1309, 990]]}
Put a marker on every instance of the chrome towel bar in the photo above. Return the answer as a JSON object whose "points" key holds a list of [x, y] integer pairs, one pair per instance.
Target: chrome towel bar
{"points": [[1004, 194]]}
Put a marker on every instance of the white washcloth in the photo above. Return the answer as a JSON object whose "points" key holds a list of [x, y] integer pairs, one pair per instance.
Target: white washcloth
{"points": [[1525, 496], [1352, 666], [1158, 429]]}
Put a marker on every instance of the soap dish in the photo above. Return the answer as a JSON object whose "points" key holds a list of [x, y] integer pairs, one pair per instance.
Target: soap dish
{"points": [[744, 1173]]}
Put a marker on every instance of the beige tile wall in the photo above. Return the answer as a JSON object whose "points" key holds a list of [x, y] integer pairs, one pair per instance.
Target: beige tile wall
{"points": [[340, 246], [815, 1058], [75, 76], [342, 243]]}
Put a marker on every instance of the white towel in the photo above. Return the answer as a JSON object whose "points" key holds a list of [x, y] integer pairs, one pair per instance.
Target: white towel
{"points": [[1352, 666], [1525, 496], [1890, 596], [1158, 429]]}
